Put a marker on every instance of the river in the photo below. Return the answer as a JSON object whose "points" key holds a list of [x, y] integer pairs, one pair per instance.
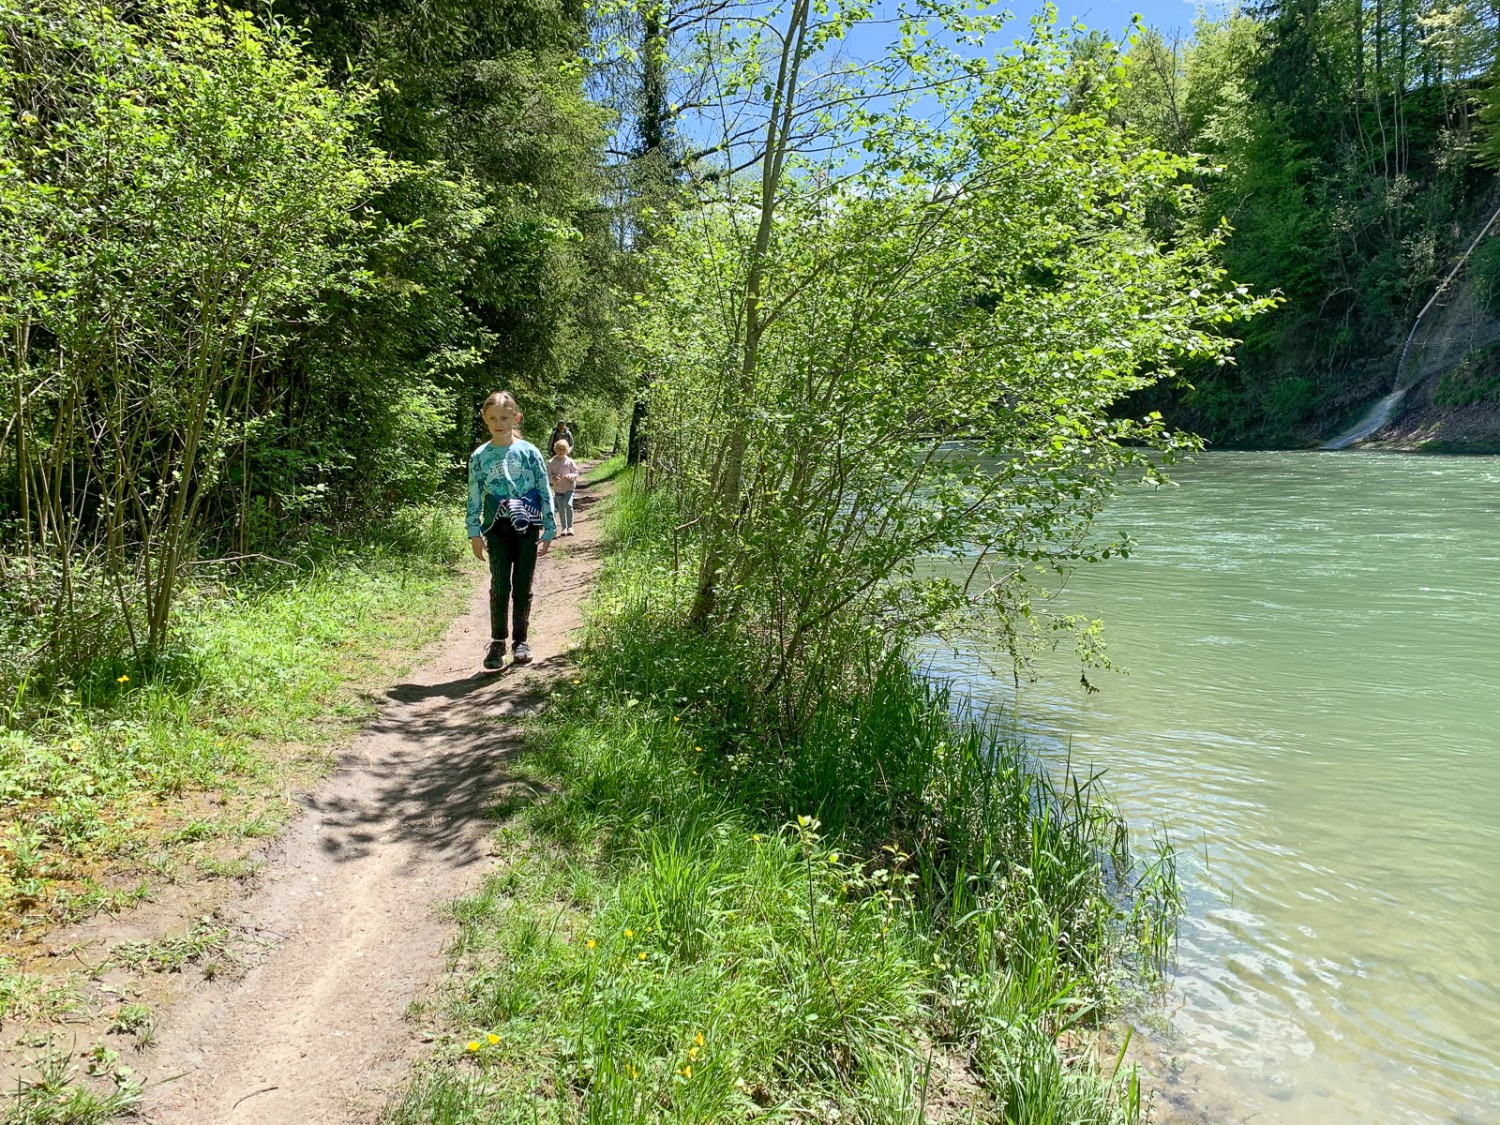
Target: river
{"points": [[1311, 709]]}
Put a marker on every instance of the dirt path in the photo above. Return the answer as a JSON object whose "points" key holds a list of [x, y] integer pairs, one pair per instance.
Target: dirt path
{"points": [[344, 928]]}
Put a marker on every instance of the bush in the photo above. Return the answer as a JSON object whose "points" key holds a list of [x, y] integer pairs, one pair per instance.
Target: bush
{"points": [[91, 761], [1484, 272], [1474, 379]]}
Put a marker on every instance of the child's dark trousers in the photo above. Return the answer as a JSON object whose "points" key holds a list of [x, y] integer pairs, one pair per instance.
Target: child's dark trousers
{"points": [[512, 564]]}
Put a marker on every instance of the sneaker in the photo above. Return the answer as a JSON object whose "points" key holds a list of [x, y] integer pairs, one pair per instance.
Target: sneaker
{"points": [[494, 659], [522, 653]]}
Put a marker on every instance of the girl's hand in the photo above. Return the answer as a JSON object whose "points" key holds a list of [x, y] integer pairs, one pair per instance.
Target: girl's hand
{"points": [[476, 544]]}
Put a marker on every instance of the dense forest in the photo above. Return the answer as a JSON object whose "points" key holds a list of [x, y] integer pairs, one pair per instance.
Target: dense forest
{"points": [[1351, 146]]}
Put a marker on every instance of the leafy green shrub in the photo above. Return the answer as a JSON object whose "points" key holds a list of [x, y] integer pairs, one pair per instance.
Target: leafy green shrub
{"points": [[1484, 272], [1289, 402], [256, 661], [186, 186], [1475, 378]]}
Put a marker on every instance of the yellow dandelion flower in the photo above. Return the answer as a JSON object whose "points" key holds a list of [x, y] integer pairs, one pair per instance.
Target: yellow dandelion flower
{"points": [[692, 1052], [472, 1044], [756, 837], [687, 1072], [640, 956], [697, 749], [591, 943], [698, 1039], [123, 680], [493, 1038], [676, 719], [630, 933]]}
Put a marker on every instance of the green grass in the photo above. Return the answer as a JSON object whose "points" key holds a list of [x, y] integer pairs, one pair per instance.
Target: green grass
{"points": [[887, 915], [124, 765], [606, 470], [54, 1094]]}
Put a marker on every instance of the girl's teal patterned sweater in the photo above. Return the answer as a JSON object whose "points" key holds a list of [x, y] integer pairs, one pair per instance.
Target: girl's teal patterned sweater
{"points": [[509, 472]]}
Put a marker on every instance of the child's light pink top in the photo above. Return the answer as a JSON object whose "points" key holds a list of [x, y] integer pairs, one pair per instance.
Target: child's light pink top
{"points": [[563, 472]]}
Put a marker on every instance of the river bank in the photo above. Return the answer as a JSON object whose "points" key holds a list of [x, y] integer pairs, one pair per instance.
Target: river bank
{"points": [[702, 917]]}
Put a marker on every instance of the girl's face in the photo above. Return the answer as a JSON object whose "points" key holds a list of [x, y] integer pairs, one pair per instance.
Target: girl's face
{"points": [[501, 419]]}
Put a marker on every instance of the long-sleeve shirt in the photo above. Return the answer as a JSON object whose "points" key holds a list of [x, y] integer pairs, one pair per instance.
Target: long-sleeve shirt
{"points": [[564, 473], [508, 472]]}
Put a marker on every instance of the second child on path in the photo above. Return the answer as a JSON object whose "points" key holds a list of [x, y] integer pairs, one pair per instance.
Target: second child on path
{"points": [[510, 515], [562, 471]]}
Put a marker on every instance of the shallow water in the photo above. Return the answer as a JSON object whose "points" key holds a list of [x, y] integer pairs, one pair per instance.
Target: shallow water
{"points": [[1312, 711]]}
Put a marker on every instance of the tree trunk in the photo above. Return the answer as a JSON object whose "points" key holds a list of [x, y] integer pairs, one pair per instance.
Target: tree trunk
{"points": [[635, 448], [1359, 52], [727, 498]]}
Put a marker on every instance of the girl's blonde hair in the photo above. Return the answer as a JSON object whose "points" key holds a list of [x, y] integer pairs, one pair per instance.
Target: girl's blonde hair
{"points": [[503, 398], [562, 444]]}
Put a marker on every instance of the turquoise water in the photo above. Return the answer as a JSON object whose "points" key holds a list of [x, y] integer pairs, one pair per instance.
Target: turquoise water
{"points": [[1311, 709]]}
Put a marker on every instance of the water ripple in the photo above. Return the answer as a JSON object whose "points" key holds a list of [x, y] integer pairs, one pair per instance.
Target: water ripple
{"points": [[1311, 712]]}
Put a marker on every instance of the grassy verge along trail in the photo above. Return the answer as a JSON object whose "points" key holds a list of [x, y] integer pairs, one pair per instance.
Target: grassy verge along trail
{"points": [[135, 802], [889, 916]]}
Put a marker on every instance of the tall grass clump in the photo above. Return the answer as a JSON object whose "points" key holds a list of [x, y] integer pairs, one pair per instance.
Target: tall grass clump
{"points": [[887, 915]]}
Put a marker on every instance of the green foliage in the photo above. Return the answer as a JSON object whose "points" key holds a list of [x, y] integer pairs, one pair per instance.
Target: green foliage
{"points": [[1484, 268], [180, 186], [1346, 150], [1474, 379], [243, 294], [90, 771], [819, 335], [705, 923], [506, 280]]}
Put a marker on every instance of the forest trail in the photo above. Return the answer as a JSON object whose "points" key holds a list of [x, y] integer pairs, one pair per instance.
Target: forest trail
{"points": [[345, 926]]}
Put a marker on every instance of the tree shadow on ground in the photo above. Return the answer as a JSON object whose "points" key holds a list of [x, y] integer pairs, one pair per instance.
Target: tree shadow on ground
{"points": [[440, 766]]}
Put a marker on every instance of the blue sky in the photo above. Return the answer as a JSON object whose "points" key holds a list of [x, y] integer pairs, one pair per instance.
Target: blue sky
{"points": [[1109, 16], [1114, 15]]}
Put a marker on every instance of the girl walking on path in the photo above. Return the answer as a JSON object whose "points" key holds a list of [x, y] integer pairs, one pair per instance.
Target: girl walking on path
{"points": [[562, 471], [510, 511]]}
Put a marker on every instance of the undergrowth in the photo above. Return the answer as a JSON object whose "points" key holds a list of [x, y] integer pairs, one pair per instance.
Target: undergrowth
{"points": [[887, 916], [125, 758]]}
